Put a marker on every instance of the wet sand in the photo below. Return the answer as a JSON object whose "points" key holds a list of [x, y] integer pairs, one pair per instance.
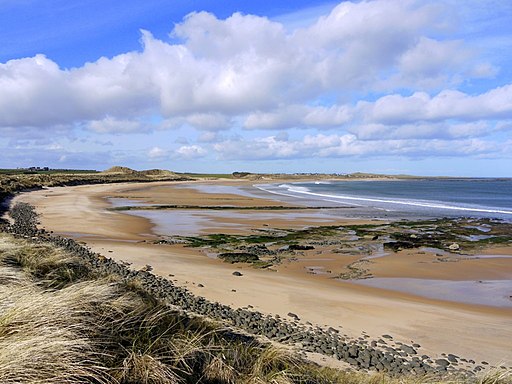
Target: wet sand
{"points": [[303, 287]]}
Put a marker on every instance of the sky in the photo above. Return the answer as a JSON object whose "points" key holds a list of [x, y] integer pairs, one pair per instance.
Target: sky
{"points": [[383, 86]]}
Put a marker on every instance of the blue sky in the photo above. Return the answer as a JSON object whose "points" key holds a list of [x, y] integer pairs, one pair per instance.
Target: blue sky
{"points": [[385, 86]]}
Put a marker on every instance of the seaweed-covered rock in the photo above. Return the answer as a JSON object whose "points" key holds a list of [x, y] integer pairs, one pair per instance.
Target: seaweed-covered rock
{"points": [[239, 257], [298, 247], [398, 245]]}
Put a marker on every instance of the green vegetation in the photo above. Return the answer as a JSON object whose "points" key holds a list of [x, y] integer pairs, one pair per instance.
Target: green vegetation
{"points": [[272, 246], [239, 257], [284, 236], [27, 171], [11, 183]]}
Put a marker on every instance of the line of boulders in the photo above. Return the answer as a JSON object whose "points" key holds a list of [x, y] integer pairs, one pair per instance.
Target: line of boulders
{"points": [[362, 353]]}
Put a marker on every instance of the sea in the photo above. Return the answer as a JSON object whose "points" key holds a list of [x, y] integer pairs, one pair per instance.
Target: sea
{"points": [[436, 197]]}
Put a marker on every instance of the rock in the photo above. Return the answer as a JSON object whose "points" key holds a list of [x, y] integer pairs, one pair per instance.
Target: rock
{"points": [[407, 349], [298, 247], [236, 273], [454, 247], [452, 358], [398, 245], [442, 362], [238, 257], [352, 351]]}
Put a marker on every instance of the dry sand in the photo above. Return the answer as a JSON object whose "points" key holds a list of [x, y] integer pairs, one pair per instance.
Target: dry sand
{"points": [[471, 331]]}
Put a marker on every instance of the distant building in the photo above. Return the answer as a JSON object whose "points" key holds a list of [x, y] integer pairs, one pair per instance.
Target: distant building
{"points": [[36, 169]]}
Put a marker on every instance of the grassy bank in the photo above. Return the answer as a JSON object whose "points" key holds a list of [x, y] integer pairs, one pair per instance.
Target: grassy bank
{"points": [[11, 182], [14, 181]]}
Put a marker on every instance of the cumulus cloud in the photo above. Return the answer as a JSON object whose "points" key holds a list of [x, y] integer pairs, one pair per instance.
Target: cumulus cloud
{"points": [[369, 77], [299, 116], [189, 152], [423, 130], [334, 145], [271, 147], [157, 153], [448, 104], [243, 65]]}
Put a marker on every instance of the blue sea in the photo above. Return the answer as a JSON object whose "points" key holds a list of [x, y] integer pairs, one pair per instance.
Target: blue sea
{"points": [[421, 197]]}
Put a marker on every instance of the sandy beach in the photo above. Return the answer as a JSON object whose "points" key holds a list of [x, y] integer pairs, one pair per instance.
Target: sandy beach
{"points": [[478, 332]]}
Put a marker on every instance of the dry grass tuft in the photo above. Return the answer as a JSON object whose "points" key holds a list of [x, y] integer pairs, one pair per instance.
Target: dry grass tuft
{"points": [[145, 369], [273, 363], [218, 369], [42, 335], [496, 377]]}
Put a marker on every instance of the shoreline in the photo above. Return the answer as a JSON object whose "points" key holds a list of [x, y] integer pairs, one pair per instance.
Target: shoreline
{"points": [[121, 233], [395, 206]]}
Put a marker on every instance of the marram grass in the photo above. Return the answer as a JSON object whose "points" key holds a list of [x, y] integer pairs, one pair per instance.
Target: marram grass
{"points": [[60, 323]]}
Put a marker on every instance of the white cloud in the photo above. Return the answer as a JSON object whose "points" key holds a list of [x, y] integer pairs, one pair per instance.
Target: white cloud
{"points": [[271, 147], [484, 70], [432, 63], [443, 131], [369, 78], [208, 37], [112, 125], [429, 57], [347, 145], [448, 104], [243, 65], [299, 116], [157, 153], [189, 152]]}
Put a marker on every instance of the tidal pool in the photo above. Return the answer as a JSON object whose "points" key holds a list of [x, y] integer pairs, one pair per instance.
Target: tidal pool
{"points": [[496, 293]]}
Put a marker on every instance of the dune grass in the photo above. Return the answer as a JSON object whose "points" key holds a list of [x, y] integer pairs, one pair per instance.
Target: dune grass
{"points": [[61, 323]]}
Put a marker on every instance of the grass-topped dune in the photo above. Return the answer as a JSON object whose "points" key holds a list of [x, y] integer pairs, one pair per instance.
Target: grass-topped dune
{"points": [[118, 170], [12, 182]]}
